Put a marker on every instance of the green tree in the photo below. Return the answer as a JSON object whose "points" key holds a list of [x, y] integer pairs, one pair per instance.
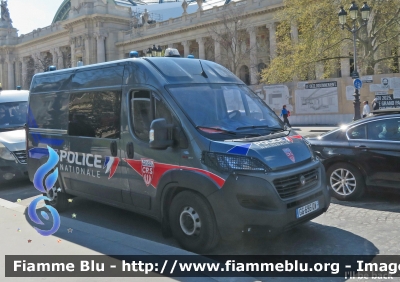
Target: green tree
{"points": [[321, 42]]}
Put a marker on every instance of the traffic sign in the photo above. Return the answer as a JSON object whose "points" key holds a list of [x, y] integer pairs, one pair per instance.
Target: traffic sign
{"points": [[357, 83]]}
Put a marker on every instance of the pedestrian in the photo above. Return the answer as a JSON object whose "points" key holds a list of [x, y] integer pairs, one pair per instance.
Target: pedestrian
{"points": [[366, 109], [285, 113], [375, 104]]}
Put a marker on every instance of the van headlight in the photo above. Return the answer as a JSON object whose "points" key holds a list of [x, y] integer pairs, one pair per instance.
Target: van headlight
{"points": [[230, 163], [5, 154]]}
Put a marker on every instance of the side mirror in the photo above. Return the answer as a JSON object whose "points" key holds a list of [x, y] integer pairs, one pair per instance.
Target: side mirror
{"points": [[159, 134]]}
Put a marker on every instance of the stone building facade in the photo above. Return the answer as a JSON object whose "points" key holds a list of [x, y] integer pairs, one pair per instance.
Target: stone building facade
{"points": [[95, 31]]}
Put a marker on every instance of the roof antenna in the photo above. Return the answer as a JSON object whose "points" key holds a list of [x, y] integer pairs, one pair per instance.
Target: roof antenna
{"points": [[203, 73]]}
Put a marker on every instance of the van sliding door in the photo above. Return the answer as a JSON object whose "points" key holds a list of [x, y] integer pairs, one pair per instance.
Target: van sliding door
{"points": [[94, 129]]}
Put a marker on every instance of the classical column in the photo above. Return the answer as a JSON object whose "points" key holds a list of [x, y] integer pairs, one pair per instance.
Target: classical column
{"points": [[10, 74], [202, 51], [185, 48], [272, 39], [217, 50], [57, 58], [101, 50], [18, 72], [24, 73], [2, 78], [253, 55], [87, 49], [73, 59], [60, 59]]}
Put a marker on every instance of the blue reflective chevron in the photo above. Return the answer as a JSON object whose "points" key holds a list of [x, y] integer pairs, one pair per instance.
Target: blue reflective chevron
{"points": [[240, 150]]}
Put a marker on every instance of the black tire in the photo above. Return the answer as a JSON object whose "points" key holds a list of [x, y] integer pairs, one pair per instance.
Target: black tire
{"points": [[187, 210], [353, 185], [60, 202]]}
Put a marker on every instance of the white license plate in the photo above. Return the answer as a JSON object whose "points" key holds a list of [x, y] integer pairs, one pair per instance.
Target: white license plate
{"points": [[307, 209]]}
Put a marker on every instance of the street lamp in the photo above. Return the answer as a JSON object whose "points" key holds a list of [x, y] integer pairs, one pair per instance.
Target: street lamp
{"points": [[159, 51], [154, 51], [365, 13]]}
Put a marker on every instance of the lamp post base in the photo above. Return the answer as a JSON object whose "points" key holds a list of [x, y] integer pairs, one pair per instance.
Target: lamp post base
{"points": [[356, 103]]}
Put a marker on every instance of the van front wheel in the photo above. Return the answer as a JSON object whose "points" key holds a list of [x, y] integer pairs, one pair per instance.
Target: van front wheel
{"points": [[192, 222]]}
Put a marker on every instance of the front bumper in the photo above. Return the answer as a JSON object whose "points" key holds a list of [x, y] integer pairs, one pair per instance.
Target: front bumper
{"points": [[12, 171], [250, 204]]}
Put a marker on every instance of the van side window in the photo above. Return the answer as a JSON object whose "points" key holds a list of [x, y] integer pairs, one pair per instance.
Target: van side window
{"points": [[95, 114], [144, 109], [141, 114], [161, 111]]}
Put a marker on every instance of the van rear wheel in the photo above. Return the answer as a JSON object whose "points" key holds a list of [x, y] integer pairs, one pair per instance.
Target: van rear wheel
{"points": [[192, 222], [58, 199]]}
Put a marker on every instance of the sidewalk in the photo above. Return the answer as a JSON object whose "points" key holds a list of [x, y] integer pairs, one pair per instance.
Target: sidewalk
{"points": [[85, 239]]}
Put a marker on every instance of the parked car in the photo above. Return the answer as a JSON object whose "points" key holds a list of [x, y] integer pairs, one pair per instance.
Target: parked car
{"points": [[13, 111], [364, 153]]}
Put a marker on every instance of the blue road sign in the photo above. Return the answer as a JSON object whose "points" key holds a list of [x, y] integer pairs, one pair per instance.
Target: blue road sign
{"points": [[357, 83]]}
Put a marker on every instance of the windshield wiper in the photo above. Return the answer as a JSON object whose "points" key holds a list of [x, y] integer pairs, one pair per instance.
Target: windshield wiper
{"points": [[259, 126], [218, 130]]}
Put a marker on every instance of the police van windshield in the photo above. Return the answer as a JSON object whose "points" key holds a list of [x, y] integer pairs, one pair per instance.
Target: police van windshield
{"points": [[227, 110], [12, 115]]}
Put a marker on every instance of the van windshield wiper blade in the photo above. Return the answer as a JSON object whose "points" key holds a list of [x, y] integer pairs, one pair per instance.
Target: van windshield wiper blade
{"points": [[259, 126], [215, 130]]}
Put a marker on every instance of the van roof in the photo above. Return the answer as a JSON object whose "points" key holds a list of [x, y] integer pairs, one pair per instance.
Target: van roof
{"points": [[174, 70], [7, 96]]}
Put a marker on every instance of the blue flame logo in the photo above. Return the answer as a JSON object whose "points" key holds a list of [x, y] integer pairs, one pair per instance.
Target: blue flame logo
{"points": [[49, 182]]}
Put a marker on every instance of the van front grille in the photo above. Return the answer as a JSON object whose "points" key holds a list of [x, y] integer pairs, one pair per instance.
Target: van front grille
{"points": [[21, 156], [296, 184]]}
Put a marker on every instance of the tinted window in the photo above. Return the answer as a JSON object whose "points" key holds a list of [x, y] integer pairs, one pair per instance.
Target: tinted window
{"points": [[95, 114], [145, 109], [391, 130], [49, 111], [358, 132], [375, 130], [98, 77], [141, 114], [51, 82]]}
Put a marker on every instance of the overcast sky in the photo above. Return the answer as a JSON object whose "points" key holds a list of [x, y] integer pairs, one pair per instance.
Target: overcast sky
{"points": [[28, 15]]}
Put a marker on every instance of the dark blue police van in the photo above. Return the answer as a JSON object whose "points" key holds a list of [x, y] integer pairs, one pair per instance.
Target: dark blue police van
{"points": [[183, 141]]}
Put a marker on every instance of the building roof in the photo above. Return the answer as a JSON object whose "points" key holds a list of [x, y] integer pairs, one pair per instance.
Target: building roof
{"points": [[161, 11]]}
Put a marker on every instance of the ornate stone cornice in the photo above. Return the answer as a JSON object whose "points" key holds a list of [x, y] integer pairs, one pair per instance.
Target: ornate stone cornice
{"points": [[195, 26], [96, 18], [42, 38]]}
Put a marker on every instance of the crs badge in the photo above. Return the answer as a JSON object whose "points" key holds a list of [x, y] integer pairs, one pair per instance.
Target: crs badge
{"points": [[289, 154], [147, 170]]}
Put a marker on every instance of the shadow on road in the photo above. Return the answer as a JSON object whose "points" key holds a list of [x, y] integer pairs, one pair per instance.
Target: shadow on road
{"points": [[307, 239], [12, 191]]}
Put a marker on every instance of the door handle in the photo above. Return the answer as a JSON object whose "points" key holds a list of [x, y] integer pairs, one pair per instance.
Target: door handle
{"points": [[362, 147], [129, 150], [114, 148]]}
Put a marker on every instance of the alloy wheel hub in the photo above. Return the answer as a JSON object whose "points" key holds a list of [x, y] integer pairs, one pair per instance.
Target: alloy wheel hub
{"points": [[343, 181]]}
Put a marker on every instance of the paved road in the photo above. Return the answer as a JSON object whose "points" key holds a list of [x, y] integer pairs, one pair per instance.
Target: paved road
{"points": [[368, 226]]}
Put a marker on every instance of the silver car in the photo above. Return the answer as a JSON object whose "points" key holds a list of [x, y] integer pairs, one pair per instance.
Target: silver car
{"points": [[13, 112]]}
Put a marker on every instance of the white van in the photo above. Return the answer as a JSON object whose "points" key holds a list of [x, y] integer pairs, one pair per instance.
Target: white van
{"points": [[13, 110]]}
